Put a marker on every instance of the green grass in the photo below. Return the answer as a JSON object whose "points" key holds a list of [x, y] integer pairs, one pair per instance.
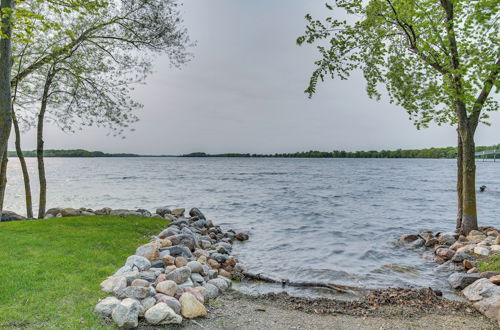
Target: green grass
{"points": [[50, 270], [490, 264]]}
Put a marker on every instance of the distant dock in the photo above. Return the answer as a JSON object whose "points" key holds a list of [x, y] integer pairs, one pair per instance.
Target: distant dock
{"points": [[486, 153]]}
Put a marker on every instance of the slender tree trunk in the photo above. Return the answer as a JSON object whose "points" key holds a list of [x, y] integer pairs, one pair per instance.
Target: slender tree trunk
{"points": [[6, 9], [3, 178], [469, 216], [459, 182], [39, 145], [24, 168]]}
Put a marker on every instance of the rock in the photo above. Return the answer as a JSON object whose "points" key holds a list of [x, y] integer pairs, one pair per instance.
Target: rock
{"points": [[212, 291], [213, 273], [150, 251], [213, 264], [180, 262], [157, 264], [148, 303], [221, 284], [131, 276], [168, 260], [482, 251], [408, 238], [163, 211], [191, 307], [241, 237], [199, 252], [431, 242], [144, 213], [473, 270], [220, 258], [460, 280], [149, 276], [70, 212], [480, 289], [493, 233], [178, 250], [179, 275], [140, 282], [447, 238], [461, 256], [240, 268], [167, 287], [183, 239], [225, 273], [445, 253], [490, 307], [195, 267], [136, 292], [106, 306], [165, 243], [123, 212], [170, 231], [122, 270], [457, 245], [161, 313], [178, 212], [126, 314], [195, 293], [495, 248], [194, 212], [497, 240], [476, 233], [187, 284], [170, 301], [468, 264], [53, 211], [138, 262], [495, 279], [197, 278], [489, 274], [114, 283], [170, 269]]}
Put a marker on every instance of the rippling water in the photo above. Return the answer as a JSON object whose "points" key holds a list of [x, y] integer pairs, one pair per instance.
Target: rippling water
{"points": [[331, 220]]}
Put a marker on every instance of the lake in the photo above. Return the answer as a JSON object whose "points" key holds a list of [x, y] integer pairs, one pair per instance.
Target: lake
{"points": [[331, 220]]}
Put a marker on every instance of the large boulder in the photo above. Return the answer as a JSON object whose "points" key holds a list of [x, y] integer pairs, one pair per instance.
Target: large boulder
{"points": [[11, 216], [194, 212], [481, 289], [490, 307], [220, 283], [70, 212], [178, 212], [161, 313], [212, 291], [139, 262], [461, 280], [191, 307], [163, 211], [179, 275], [150, 251], [106, 306], [126, 314]]}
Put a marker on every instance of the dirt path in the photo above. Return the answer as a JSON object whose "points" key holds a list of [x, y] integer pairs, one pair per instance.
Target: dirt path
{"points": [[237, 311]]}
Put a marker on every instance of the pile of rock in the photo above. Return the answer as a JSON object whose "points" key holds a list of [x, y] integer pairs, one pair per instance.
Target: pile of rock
{"points": [[59, 212], [174, 275], [461, 254]]}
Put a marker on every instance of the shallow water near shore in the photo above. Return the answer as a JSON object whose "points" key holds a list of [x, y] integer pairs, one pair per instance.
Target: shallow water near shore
{"points": [[316, 220]]}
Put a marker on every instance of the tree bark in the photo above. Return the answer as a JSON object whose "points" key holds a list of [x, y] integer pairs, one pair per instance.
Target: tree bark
{"points": [[39, 145], [459, 182], [6, 9], [469, 207], [24, 168], [3, 179]]}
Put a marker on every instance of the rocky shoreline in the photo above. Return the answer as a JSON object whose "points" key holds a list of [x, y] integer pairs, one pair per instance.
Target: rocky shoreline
{"points": [[460, 255], [172, 277]]}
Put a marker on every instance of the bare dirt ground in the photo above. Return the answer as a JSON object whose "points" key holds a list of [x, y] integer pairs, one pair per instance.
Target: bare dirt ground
{"points": [[388, 309]]}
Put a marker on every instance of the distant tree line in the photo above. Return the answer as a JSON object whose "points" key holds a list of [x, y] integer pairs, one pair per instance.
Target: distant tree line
{"points": [[447, 152], [72, 153]]}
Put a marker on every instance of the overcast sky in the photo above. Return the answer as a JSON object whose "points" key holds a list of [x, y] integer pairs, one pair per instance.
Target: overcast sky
{"points": [[243, 92]]}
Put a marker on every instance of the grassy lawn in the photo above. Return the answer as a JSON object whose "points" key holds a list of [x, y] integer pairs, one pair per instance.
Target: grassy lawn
{"points": [[490, 264], [50, 270]]}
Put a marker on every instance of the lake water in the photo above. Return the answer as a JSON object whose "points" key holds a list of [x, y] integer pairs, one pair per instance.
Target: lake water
{"points": [[330, 220]]}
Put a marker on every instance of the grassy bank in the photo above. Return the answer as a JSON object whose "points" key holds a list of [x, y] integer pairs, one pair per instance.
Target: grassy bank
{"points": [[50, 270], [490, 264]]}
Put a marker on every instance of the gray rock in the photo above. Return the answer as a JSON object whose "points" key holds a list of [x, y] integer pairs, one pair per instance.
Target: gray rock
{"points": [[113, 283], [178, 212], [240, 268], [126, 314], [70, 212], [148, 303], [138, 262], [187, 284], [163, 211], [205, 244], [124, 269], [135, 292], [123, 212], [170, 217], [160, 314], [131, 276], [195, 212], [447, 238], [417, 244], [461, 256], [178, 251], [53, 211], [221, 284], [144, 213], [480, 289], [149, 276], [195, 267], [167, 287], [490, 307], [170, 231], [157, 264], [197, 278], [106, 306], [212, 273], [170, 301], [461, 280], [103, 211], [179, 275], [199, 224], [220, 258], [183, 239], [212, 290]]}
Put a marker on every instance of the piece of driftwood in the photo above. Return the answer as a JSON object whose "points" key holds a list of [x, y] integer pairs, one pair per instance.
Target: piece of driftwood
{"points": [[285, 282]]}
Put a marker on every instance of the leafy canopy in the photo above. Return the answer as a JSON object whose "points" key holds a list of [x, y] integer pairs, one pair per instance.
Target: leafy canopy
{"points": [[404, 46]]}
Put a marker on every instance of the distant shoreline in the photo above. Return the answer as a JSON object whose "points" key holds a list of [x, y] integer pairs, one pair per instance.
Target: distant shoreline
{"points": [[430, 153]]}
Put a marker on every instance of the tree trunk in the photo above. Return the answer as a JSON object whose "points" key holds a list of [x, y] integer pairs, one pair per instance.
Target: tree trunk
{"points": [[469, 215], [26, 176], [6, 9], [459, 182], [3, 179], [39, 145]]}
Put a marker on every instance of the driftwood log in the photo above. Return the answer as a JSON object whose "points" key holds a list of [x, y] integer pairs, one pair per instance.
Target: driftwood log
{"points": [[284, 282]]}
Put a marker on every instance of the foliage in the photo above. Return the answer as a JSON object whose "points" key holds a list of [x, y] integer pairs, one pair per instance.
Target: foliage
{"points": [[448, 152], [51, 269], [405, 46], [490, 264], [73, 153]]}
